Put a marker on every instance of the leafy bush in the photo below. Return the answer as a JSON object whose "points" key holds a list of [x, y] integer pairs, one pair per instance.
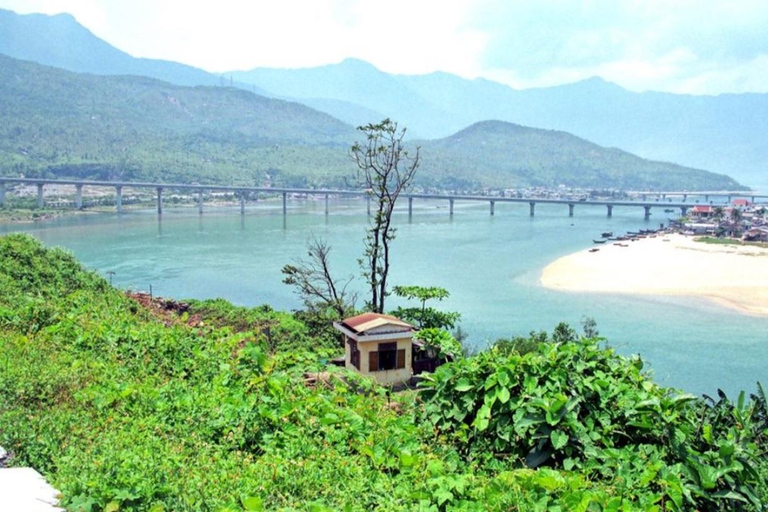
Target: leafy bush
{"points": [[123, 412], [574, 405]]}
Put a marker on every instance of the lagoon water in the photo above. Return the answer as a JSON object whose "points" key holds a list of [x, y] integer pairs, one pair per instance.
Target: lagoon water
{"points": [[490, 264]]}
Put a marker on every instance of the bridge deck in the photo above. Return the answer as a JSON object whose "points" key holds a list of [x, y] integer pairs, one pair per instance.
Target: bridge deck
{"points": [[343, 192]]}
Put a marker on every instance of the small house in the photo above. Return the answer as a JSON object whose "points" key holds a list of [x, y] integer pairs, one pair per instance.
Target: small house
{"points": [[701, 212], [758, 234], [379, 346]]}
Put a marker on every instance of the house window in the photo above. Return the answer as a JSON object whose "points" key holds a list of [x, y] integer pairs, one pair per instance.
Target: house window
{"points": [[354, 353], [388, 357]]}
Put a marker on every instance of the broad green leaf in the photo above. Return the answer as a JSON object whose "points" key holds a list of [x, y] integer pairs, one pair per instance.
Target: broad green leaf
{"points": [[559, 439], [253, 504], [463, 385]]}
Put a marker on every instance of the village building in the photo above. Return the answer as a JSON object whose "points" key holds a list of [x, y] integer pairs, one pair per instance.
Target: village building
{"points": [[758, 234], [379, 346], [699, 212]]}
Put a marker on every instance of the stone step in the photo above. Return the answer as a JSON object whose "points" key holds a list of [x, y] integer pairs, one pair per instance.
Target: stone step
{"points": [[25, 490]]}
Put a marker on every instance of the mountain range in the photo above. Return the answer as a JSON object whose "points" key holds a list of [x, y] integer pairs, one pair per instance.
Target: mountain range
{"points": [[61, 122], [724, 133]]}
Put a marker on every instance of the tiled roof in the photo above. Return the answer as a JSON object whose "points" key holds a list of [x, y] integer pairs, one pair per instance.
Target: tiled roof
{"points": [[368, 321]]}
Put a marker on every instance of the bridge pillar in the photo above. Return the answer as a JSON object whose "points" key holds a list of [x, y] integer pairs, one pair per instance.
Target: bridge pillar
{"points": [[79, 196], [119, 199], [40, 201], [664, 197], [2, 195], [242, 202], [326, 204], [533, 207], [200, 201], [683, 210], [685, 197], [647, 212], [753, 199], [570, 209], [610, 209], [450, 201], [729, 199], [410, 206], [285, 203], [159, 200], [493, 204], [706, 198]]}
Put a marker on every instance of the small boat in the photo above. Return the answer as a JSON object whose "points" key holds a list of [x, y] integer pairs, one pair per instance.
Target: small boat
{"points": [[599, 241], [594, 249], [606, 234], [669, 210]]}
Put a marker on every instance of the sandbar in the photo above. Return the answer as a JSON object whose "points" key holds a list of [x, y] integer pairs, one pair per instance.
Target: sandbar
{"points": [[733, 276]]}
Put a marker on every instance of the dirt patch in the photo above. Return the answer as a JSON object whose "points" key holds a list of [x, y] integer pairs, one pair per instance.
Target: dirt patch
{"points": [[168, 311]]}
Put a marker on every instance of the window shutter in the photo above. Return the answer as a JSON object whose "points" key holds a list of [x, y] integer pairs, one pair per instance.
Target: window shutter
{"points": [[401, 358], [373, 361]]}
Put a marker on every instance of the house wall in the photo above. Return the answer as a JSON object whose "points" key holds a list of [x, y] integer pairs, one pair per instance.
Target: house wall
{"points": [[384, 376]]}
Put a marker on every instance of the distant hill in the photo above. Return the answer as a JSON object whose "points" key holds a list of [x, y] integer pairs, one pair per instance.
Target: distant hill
{"points": [[503, 154], [62, 123], [54, 122], [724, 133], [60, 41]]}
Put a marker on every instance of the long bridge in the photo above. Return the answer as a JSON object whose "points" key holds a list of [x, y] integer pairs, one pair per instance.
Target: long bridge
{"points": [[707, 195], [242, 191]]}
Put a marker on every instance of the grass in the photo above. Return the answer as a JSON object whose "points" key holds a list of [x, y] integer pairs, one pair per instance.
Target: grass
{"points": [[730, 241]]}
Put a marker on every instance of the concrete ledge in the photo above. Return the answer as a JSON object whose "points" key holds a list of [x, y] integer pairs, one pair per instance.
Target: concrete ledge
{"points": [[25, 490]]}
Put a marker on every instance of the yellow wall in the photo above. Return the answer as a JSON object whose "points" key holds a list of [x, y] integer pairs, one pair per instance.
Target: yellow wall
{"points": [[385, 376]]}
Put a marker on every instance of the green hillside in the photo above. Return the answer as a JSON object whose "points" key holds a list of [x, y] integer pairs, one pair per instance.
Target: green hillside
{"points": [[206, 406], [722, 133], [61, 124], [503, 154]]}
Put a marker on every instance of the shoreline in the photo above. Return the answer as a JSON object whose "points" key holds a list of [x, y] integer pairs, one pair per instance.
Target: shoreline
{"points": [[732, 276]]}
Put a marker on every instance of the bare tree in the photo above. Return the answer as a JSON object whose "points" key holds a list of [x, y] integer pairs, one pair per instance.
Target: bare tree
{"points": [[385, 169], [314, 282]]}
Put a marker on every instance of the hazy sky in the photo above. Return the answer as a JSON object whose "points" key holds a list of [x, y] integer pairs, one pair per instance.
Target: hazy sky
{"points": [[691, 46]]}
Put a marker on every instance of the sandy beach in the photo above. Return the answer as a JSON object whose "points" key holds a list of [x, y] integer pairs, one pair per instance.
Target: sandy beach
{"points": [[734, 276]]}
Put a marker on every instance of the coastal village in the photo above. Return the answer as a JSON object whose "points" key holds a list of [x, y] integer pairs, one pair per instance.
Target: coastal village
{"points": [[741, 219]]}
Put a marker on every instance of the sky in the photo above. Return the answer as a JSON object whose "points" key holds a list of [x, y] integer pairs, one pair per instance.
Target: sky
{"points": [[681, 46]]}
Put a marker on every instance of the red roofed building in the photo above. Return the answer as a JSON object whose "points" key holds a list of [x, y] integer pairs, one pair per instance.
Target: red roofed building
{"points": [[378, 346], [742, 203], [701, 212]]}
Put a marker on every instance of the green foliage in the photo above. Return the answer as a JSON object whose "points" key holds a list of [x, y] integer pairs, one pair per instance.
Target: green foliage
{"points": [[441, 341], [425, 317], [123, 411], [572, 405]]}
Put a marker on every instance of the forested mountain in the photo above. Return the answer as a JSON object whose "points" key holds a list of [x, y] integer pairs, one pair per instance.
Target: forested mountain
{"points": [[492, 151], [68, 124], [54, 122], [724, 133]]}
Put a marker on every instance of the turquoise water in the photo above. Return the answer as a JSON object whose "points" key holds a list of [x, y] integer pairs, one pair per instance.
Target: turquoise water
{"points": [[491, 265]]}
